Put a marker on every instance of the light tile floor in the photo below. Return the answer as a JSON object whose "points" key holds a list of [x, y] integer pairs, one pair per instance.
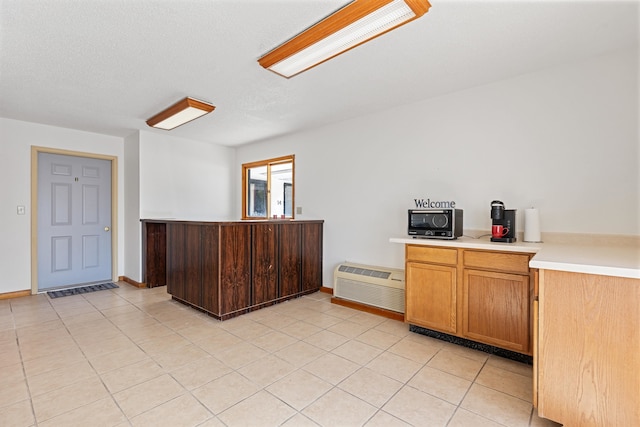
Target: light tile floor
{"points": [[132, 356]]}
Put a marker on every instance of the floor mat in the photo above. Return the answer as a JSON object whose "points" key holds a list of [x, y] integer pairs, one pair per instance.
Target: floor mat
{"points": [[81, 290]]}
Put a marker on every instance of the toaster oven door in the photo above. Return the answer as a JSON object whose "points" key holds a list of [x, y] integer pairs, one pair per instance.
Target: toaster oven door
{"points": [[429, 220]]}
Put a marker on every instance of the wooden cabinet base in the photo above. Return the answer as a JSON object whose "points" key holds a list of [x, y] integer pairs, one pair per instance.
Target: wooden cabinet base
{"points": [[508, 354], [230, 315]]}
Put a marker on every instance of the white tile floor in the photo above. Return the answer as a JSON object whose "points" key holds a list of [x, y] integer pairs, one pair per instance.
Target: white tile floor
{"points": [[132, 356]]}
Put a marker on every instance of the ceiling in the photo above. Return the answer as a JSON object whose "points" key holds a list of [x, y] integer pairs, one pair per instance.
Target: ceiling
{"points": [[106, 66]]}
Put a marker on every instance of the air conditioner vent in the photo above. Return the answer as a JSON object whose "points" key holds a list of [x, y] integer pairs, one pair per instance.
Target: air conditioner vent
{"points": [[376, 286], [364, 271]]}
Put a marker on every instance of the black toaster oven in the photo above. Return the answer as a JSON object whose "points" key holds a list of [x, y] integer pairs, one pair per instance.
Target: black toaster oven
{"points": [[435, 223]]}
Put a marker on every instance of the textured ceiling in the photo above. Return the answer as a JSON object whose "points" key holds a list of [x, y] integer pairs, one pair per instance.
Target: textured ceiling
{"points": [[108, 65]]}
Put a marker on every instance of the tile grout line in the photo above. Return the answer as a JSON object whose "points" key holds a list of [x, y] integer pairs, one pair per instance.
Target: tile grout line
{"points": [[24, 372]]}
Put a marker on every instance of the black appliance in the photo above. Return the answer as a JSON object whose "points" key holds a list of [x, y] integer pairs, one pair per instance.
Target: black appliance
{"points": [[506, 218], [435, 223]]}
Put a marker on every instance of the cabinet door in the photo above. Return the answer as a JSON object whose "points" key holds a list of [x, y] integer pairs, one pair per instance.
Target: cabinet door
{"points": [[290, 259], [192, 263], [184, 262], [235, 267], [311, 256], [496, 309], [264, 255], [209, 283], [431, 296], [154, 240], [175, 260]]}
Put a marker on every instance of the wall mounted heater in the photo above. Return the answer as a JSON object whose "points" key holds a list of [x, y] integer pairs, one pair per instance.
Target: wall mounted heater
{"points": [[377, 286]]}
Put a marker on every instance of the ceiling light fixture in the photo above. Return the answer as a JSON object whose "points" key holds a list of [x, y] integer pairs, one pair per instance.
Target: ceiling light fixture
{"points": [[354, 24], [180, 113]]}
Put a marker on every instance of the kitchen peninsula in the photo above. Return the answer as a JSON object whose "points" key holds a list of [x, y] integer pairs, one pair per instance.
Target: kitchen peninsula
{"points": [[232, 267], [584, 314]]}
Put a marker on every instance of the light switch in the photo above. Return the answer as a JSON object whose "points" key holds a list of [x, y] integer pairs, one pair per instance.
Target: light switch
{"points": [[21, 210], [299, 210]]}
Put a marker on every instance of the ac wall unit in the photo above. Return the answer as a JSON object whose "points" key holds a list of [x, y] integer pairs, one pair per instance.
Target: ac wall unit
{"points": [[376, 286]]}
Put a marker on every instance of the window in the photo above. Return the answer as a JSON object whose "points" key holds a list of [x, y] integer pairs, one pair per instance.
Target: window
{"points": [[268, 188]]}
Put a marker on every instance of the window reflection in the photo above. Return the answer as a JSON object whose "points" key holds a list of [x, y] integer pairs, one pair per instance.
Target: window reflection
{"points": [[269, 188], [257, 194]]}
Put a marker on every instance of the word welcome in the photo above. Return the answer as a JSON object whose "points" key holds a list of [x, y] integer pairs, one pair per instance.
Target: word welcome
{"points": [[422, 203]]}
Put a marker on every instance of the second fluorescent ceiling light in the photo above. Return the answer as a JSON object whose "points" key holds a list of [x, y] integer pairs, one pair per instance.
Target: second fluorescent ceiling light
{"points": [[180, 113], [354, 24]]}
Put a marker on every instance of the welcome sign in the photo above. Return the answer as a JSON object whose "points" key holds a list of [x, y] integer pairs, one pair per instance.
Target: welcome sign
{"points": [[437, 204]]}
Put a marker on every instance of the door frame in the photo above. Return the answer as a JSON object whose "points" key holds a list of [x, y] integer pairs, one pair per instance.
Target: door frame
{"points": [[35, 150]]}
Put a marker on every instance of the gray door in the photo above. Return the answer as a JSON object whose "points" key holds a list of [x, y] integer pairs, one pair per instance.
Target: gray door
{"points": [[74, 220]]}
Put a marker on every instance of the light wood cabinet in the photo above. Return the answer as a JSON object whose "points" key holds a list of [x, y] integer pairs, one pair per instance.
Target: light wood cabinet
{"points": [[483, 296], [431, 299], [587, 367], [496, 309]]}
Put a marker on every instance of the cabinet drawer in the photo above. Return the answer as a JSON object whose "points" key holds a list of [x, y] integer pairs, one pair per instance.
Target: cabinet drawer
{"points": [[518, 263], [432, 255]]}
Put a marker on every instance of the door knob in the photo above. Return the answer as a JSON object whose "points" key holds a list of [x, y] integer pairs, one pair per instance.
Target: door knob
{"points": [[106, 229]]}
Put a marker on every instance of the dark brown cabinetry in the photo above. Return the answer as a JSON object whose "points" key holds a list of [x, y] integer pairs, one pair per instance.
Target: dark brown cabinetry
{"points": [[154, 254], [265, 260], [235, 268], [290, 259], [312, 252], [229, 268]]}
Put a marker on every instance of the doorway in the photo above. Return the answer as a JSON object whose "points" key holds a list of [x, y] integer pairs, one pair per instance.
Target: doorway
{"points": [[73, 219]]}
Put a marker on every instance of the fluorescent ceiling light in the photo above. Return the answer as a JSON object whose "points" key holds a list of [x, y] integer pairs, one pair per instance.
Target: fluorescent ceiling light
{"points": [[354, 24], [180, 113]]}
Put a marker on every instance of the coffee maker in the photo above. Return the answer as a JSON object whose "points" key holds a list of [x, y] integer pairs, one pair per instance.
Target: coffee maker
{"points": [[503, 223]]}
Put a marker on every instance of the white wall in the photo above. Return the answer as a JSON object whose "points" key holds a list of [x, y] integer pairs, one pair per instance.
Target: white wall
{"points": [[185, 179], [132, 226], [169, 177], [15, 189], [564, 140]]}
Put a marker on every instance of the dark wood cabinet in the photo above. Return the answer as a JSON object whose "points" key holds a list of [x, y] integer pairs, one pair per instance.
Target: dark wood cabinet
{"points": [[235, 268], [290, 259], [184, 262], [229, 268], [175, 264], [210, 269], [154, 254], [265, 261], [311, 256]]}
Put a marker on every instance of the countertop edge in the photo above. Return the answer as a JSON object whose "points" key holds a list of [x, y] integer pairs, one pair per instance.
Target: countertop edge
{"points": [[600, 270], [231, 221], [469, 243], [545, 255]]}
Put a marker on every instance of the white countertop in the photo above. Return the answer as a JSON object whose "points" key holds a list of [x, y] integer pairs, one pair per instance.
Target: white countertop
{"points": [[603, 255]]}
